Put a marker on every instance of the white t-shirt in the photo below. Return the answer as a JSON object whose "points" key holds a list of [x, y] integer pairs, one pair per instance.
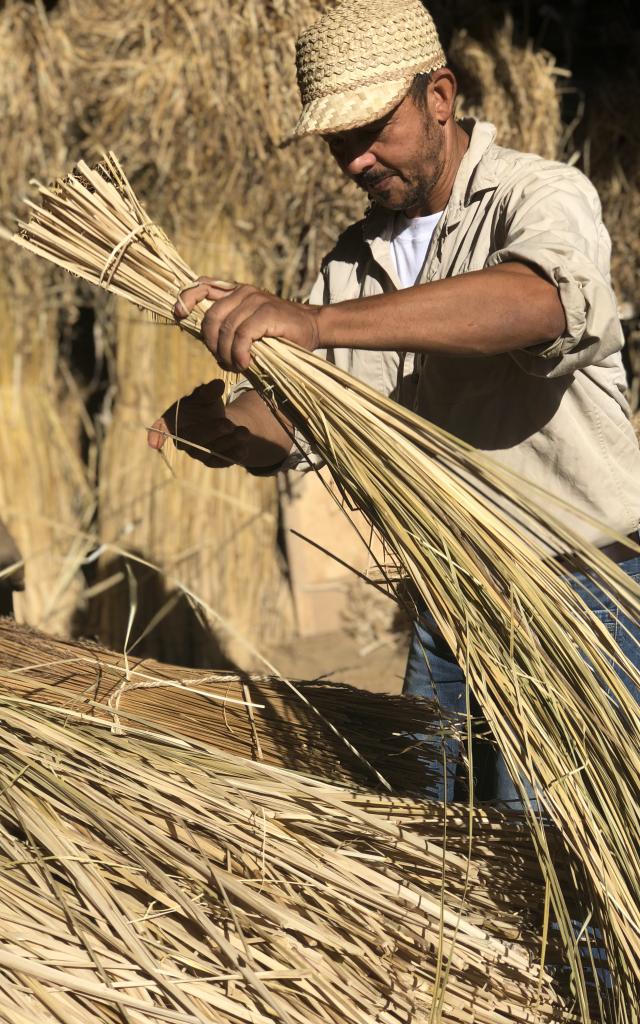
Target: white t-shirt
{"points": [[409, 243]]}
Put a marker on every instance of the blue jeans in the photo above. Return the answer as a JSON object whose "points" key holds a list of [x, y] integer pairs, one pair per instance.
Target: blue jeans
{"points": [[432, 671]]}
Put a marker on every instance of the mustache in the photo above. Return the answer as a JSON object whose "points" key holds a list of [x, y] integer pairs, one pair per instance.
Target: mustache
{"points": [[369, 178]]}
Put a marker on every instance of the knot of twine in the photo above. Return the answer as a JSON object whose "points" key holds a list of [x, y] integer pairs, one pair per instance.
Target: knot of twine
{"points": [[115, 257], [127, 685]]}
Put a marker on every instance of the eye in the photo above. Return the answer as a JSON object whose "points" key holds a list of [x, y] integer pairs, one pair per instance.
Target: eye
{"points": [[334, 142]]}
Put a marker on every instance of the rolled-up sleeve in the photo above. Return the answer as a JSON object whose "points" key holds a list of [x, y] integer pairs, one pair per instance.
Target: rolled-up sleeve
{"points": [[552, 222], [302, 456]]}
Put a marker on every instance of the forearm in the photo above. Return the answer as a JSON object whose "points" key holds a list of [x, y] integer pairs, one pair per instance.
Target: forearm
{"points": [[269, 439], [486, 312]]}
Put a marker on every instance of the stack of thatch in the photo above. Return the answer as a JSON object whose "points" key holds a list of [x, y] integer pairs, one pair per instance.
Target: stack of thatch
{"points": [[144, 878], [44, 494], [329, 730]]}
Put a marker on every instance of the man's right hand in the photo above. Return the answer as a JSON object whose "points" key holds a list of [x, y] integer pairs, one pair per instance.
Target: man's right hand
{"points": [[200, 426]]}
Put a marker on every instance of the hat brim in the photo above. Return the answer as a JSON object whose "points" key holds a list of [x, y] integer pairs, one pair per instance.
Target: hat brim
{"points": [[354, 108]]}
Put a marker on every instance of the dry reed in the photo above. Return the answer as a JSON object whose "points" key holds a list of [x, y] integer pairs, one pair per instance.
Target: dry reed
{"points": [[248, 715], [40, 467], [540, 664], [215, 533], [150, 879], [514, 87]]}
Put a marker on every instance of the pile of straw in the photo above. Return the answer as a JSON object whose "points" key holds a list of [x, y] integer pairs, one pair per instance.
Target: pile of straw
{"points": [[512, 86], [542, 667], [45, 495], [262, 717], [147, 879]]}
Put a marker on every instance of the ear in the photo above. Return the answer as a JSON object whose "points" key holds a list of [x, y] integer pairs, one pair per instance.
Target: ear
{"points": [[441, 93]]}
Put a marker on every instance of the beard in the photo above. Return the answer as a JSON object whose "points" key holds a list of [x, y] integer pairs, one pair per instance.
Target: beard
{"points": [[411, 185]]}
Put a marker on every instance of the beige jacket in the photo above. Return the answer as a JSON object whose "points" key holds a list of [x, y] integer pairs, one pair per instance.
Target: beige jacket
{"points": [[554, 413]]}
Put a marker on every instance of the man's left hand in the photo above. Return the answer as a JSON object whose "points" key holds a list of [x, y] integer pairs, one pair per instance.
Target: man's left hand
{"points": [[242, 314]]}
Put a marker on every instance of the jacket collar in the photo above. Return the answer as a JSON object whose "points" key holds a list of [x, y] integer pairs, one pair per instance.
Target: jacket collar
{"points": [[475, 174]]}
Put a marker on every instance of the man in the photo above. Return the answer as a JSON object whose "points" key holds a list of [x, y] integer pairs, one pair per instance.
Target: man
{"points": [[476, 291]]}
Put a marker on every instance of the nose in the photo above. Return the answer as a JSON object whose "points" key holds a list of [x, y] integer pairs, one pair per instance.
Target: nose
{"points": [[359, 162], [352, 152]]}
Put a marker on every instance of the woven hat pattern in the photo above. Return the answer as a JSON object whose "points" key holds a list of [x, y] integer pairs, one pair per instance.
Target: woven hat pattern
{"points": [[359, 59]]}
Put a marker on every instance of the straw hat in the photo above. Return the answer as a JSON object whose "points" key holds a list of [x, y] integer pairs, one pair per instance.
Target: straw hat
{"points": [[358, 61]]}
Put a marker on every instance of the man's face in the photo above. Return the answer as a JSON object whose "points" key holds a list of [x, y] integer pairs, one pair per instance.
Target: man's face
{"points": [[397, 159]]}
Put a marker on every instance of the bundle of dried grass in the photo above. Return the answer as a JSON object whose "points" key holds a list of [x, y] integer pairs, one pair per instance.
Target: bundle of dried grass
{"points": [[45, 496], [542, 667], [611, 157], [149, 879], [255, 716], [212, 534], [44, 500], [34, 97], [44, 491], [512, 86]]}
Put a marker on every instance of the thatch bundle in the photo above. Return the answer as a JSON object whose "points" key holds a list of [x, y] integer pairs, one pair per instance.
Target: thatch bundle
{"points": [[514, 87], [147, 879], [334, 732], [44, 498], [34, 98], [44, 493], [213, 534]]}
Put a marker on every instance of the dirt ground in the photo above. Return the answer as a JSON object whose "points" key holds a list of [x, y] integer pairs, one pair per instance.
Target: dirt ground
{"points": [[338, 657]]}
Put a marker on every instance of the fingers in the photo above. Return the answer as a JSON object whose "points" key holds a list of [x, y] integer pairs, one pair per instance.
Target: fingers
{"points": [[204, 288], [230, 327], [202, 405], [230, 450], [234, 308], [226, 444], [198, 425], [157, 434]]}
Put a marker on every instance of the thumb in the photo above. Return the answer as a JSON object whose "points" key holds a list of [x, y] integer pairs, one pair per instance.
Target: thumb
{"points": [[156, 435]]}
